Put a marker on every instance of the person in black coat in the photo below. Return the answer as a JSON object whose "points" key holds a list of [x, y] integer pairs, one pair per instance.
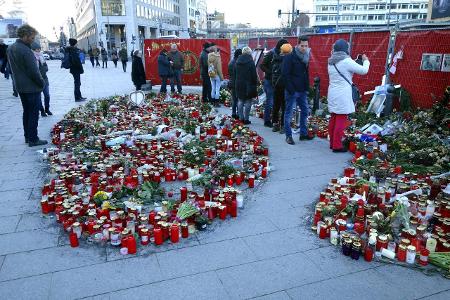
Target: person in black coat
{"points": [[3, 57], [164, 70], [137, 70], [206, 82], [76, 68], [232, 82], [246, 84], [278, 87]]}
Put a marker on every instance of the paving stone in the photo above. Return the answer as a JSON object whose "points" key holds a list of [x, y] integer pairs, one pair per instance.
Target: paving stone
{"points": [[105, 277], [275, 296], [201, 286], [445, 295], [21, 194], [360, 285], [204, 258], [37, 262], [36, 287], [16, 207], [269, 276], [26, 241], [38, 221], [283, 242], [8, 224]]}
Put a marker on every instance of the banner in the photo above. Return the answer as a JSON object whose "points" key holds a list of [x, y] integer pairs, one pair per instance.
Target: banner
{"points": [[191, 49]]}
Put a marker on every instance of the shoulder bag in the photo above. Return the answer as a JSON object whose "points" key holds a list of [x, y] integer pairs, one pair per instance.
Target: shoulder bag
{"points": [[356, 95]]}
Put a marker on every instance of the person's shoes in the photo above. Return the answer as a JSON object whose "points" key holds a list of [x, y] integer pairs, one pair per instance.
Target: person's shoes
{"points": [[80, 100], [15, 95], [27, 140], [305, 138], [247, 122], [236, 117], [268, 124], [282, 130], [275, 128], [340, 150], [290, 140], [49, 113], [37, 143], [43, 114]]}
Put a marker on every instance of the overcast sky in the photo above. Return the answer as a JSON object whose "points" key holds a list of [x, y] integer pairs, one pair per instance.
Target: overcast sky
{"points": [[46, 14]]}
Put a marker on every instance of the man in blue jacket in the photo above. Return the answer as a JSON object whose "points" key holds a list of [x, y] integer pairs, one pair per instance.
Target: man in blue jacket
{"points": [[28, 82], [296, 74]]}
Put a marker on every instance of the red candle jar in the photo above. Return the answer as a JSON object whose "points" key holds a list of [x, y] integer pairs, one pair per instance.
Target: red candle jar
{"points": [[174, 233], [382, 242], [370, 155], [145, 236], [183, 193], [352, 147], [251, 180], [357, 154], [233, 211], [401, 253], [368, 254], [323, 231], [264, 173], [131, 245], [222, 212], [211, 213], [238, 179], [184, 230], [44, 206], [423, 260], [73, 240], [230, 180], [158, 235]]}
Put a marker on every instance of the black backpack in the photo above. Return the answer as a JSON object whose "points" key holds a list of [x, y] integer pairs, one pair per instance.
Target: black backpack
{"points": [[66, 62], [277, 61]]}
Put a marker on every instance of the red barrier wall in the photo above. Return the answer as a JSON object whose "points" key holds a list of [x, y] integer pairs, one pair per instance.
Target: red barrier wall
{"points": [[420, 84], [191, 49]]}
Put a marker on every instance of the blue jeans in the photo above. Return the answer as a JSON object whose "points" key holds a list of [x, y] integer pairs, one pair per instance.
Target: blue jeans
{"points": [[30, 103], [77, 84], [299, 99], [234, 102], [46, 92], [268, 89], [244, 106], [215, 88], [176, 79], [163, 84]]}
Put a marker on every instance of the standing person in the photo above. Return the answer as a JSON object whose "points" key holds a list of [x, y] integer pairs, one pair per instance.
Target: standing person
{"points": [[282, 48], [3, 57], [164, 70], [232, 83], [28, 82], [114, 57], [76, 68], [96, 55], [215, 74], [246, 84], [266, 67], [43, 68], [137, 70], [104, 58], [8, 73], [340, 102], [91, 56], [177, 67], [296, 74], [206, 82], [123, 58]]}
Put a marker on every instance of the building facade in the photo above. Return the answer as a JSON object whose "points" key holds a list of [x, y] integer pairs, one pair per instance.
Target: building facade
{"points": [[118, 23], [363, 13]]}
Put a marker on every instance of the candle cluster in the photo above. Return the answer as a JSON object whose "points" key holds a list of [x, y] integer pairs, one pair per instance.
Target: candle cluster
{"points": [[123, 174]]}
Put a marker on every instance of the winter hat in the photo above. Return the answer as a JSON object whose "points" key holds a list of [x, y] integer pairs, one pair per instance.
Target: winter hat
{"points": [[72, 42], [286, 49], [341, 45], [237, 53], [206, 45], [35, 45], [281, 43]]}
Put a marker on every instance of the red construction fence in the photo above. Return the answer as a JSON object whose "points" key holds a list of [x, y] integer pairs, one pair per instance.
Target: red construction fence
{"points": [[419, 83], [191, 49]]}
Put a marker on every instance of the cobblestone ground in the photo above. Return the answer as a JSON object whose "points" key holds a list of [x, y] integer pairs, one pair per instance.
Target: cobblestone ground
{"points": [[267, 252]]}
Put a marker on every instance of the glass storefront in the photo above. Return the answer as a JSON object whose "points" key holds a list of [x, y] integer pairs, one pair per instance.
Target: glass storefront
{"points": [[113, 7]]}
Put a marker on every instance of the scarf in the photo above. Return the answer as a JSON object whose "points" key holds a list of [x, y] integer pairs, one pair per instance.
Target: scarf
{"points": [[304, 57], [39, 57], [336, 57]]}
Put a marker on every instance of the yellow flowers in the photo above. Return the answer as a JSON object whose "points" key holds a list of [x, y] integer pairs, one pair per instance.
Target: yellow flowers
{"points": [[101, 195]]}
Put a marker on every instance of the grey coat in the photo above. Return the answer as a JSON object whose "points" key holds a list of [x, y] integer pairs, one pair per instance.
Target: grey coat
{"points": [[25, 71]]}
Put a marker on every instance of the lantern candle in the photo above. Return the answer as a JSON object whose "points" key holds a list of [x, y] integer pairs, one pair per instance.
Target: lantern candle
{"points": [[264, 173], [183, 192], [73, 240], [174, 233], [251, 180], [184, 230], [158, 235]]}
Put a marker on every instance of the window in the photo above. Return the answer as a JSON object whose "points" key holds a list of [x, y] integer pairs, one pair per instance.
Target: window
{"points": [[113, 7], [371, 17]]}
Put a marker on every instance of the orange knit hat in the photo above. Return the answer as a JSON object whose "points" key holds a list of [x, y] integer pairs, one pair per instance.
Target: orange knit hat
{"points": [[286, 48]]}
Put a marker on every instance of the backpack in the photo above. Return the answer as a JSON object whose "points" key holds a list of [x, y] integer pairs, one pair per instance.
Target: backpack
{"points": [[66, 62], [276, 71], [211, 70]]}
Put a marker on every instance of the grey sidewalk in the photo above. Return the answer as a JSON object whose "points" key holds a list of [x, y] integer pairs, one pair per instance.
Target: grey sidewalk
{"points": [[267, 252]]}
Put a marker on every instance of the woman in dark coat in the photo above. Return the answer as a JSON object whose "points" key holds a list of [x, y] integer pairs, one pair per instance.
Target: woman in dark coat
{"points": [[164, 70], [246, 84], [137, 70], [232, 82]]}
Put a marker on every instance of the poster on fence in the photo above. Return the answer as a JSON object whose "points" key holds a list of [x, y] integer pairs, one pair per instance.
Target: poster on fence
{"points": [[191, 49], [431, 62], [446, 63], [439, 10]]}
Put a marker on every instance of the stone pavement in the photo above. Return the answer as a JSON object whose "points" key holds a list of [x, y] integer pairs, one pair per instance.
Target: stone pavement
{"points": [[268, 252]]}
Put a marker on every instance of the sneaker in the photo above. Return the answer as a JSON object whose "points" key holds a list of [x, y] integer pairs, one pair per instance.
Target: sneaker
{"points": [[282, 130], [275, 128], [43, 114], [247, 122], [37, 143], [290, 140], [268, 124], [305, 138], [49, 113]]}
